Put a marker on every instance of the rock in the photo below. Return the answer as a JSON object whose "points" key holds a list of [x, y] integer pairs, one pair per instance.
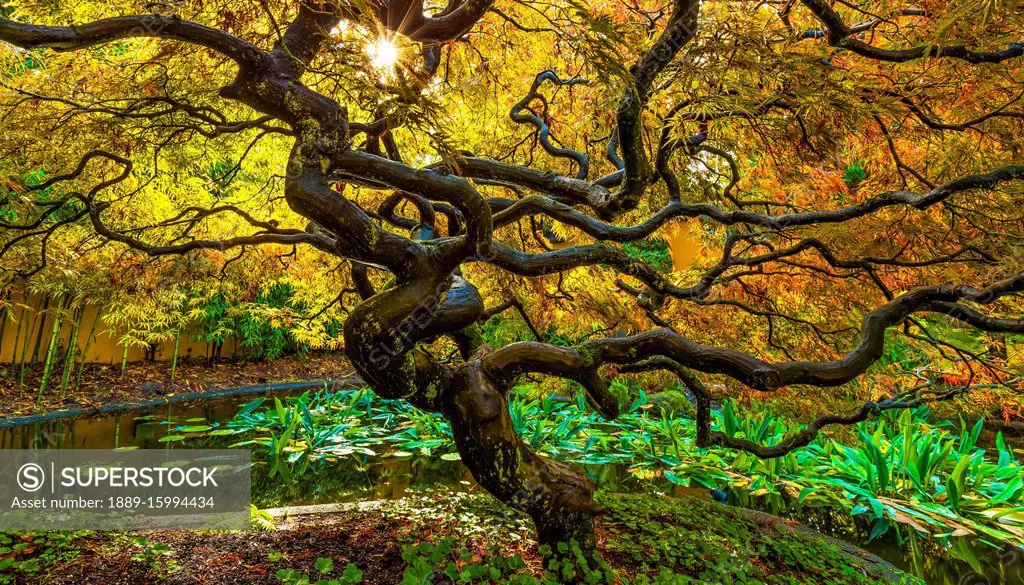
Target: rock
{"points": [[868, 563], [719, 496], [151, 388], [673, 402]]}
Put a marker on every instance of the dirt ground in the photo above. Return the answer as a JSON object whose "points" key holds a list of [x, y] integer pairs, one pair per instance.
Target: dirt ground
{"points": [[633, 536], [372, 540], [637, 534], [246, 557], [103, 383]]}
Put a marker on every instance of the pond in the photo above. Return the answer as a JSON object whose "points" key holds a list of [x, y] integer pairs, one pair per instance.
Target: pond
{"points": [[372, 478]]}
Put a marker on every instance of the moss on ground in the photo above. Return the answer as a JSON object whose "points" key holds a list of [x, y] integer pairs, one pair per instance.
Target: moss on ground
{"points": [[712, 543]]}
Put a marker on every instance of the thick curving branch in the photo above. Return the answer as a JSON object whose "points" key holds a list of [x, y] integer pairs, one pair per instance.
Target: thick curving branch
{"points": [[527, 357], [71, 38], [306, 34], [978, 319], [568, 190], [761, 375], [680, 30], [430, 184], [308, 193], [408, 18], [842, 35], [939, 194]]}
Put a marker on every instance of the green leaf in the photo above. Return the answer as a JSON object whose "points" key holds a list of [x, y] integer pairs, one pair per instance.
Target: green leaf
{"points": [[676, 479], [1010, 490], [804, 493], [955, 482], [324, 565], [250, 407], [352, 574], [172, 438]]}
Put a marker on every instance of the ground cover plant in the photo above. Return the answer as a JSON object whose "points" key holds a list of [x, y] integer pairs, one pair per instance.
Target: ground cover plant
{"points": [[796, 199], [901, 472], [433, 538]]}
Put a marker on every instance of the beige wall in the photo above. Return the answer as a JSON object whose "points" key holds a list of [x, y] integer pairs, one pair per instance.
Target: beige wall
{"points": [[104, 347]]}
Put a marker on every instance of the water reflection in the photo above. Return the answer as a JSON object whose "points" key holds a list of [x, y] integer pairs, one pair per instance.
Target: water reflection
{"points": [[140, 430]]}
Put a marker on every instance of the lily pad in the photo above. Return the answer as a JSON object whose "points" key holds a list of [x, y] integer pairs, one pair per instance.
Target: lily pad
{"points": [[172, 438]]}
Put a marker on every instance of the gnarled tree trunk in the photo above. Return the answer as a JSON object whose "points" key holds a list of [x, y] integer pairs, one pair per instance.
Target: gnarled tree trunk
{"points": [[557, 496]]}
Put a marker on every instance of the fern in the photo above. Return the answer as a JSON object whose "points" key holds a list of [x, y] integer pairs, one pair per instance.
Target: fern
{"points": [[262, 521]]}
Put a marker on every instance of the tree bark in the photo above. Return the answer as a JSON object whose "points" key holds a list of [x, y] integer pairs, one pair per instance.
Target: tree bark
{"points": [[557, 496], [381, 336]]}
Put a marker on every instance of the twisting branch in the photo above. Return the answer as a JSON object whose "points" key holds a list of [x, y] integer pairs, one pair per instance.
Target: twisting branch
{"points": [[543, 131], [764, 376], [408, 18], [513, 302], [842, 35], [680, 30], [525, 357], [71, 38]]}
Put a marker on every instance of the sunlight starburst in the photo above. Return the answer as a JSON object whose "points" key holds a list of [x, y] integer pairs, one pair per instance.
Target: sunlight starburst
{"points": [[383, 54]]}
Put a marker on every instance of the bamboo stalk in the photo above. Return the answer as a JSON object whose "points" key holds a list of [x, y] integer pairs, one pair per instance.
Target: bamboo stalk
{"points": [[85, 350], [51, 350], [174, 358], [69, 357], [4, 311], [124, 359], [17, 336], [24, 348], [42, 328]]}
